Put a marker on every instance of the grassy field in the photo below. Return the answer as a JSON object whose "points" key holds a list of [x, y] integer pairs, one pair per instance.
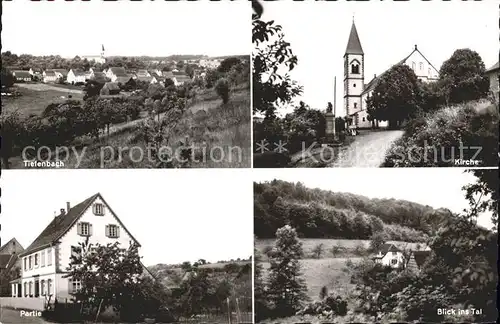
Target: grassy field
{"points": [[33, 101], [323, 272], [220, 132], [347, 247]]}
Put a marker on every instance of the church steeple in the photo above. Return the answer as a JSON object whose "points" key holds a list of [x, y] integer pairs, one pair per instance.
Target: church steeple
{"points": [[354, 45]]}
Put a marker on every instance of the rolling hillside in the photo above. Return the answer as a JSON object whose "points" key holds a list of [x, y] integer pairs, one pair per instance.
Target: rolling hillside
{"points": [[317, 213]]}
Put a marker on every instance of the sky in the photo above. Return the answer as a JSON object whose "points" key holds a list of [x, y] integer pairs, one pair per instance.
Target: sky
{"points": [[175, 215], [436, 187], [126, 28], [388, 31]]}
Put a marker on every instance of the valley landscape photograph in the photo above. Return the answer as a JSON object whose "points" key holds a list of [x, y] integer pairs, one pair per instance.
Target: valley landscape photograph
{"points": [[376, 245], [331, 88], [100, 252], [168, 86]]}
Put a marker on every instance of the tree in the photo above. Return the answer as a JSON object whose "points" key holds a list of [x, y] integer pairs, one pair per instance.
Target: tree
{"points": [[109, 275], [286, 289], [376, 241], [12, 130], [395, 97], [318, 250], [222, 89], [462, 77], [272, 55], [7, 79], [226, 64]]}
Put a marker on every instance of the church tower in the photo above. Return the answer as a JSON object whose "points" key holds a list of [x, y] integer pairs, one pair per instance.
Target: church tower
{"points": [[354, 75]]}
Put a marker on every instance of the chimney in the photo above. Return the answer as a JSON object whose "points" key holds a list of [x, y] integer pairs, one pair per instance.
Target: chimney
{"points": [[67, 206], [63, 211], [416, 47], [374, 76]]}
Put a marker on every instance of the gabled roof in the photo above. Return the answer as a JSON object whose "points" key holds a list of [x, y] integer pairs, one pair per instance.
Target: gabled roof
{"points": [[21, 74], [62, 71], [3, 248], [118, 71], [493, 68], [388, 247], [123, 79], [370, 85], [50, 73], [353, 44], [182, 78], [112, 86], [5, 260], [168, 74], [421, 257], [78, 72], [63, 223], [145, 78]]}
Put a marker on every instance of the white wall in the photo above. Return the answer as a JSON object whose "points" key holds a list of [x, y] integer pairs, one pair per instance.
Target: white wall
{"points": [[22, 303], [386, 260], [71, 238]]}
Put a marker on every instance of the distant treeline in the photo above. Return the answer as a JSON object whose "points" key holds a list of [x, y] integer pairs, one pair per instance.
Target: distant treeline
{"points": [[317, 213]]}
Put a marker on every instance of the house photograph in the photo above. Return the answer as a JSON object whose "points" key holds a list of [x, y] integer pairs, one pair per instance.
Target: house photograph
{"points": [[341, 247], [125, 234]]}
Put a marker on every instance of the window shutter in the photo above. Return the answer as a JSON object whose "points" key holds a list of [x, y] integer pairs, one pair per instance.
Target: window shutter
{"points": [[107, 230], [79, 228], [117, 231], [70, 285], [94, 209], [90, 229]]}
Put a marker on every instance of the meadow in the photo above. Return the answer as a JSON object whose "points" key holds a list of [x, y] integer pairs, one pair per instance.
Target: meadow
{"points": [[34, 98], [346, 248]]}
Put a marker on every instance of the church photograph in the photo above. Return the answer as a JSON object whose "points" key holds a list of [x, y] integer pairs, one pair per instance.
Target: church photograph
{"points": [[363, 84]]}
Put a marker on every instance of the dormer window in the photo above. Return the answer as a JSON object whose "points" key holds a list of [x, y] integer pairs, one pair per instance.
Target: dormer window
{"points": [[98, 209], [112, 231], [84, 229]]}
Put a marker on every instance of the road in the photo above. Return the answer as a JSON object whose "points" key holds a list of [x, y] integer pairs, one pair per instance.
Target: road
{"points": [[367, 150], [12, 316]]}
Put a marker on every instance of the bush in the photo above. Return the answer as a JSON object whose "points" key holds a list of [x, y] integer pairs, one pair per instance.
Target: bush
{"points": [[330, 305], [222, 89]]}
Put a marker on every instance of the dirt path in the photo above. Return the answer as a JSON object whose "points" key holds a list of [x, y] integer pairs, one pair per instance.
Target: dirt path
{"points": [[367, 150]]}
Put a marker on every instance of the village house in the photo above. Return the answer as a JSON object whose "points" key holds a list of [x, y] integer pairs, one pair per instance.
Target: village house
{"points": [[9, 264], [113, 73], [357, 92], [110, 88], [49, 76], [143, 73], [21, 75], [76, 76], [61, 73], [124, 79], [99, 77], [45, 261], [35, 72], [390, 255], [493, 74]]}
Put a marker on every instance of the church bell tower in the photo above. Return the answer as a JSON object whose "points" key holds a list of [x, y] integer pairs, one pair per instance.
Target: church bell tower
{"points": [[354, 75]]}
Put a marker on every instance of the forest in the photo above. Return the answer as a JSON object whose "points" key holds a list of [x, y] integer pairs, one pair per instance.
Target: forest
{"points": [[317, 213]]}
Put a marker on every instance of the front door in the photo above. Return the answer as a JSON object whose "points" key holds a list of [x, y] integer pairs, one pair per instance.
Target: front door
{"points": [[19, 290]]}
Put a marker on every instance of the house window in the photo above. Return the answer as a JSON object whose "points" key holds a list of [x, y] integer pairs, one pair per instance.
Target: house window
{"points": [[413, 66], [421, 66], [355, 68], [25, 264], [30, 289], [84, 229], [30, 262], [355, 105], [49, 287], [394, 253], [429, 70], [363, 118], [354, 85], [112, 231], [76, 285], [25, 289], [36, 260], [99, 209], [394, 261], [49, 256], [43, 258], [42, 283]]}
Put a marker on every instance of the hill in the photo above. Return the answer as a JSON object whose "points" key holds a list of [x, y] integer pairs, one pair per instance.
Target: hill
{"points": [[317, 213]]}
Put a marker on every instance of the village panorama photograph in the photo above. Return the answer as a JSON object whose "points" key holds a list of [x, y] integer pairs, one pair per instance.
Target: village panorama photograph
{"points": [[375, 84], [354, 246], [102, 84], [98, 252]]}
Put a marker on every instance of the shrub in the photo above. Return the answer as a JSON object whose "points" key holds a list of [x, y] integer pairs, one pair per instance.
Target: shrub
{"points": [[318, 250], [330, 305], [222, 89]]}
